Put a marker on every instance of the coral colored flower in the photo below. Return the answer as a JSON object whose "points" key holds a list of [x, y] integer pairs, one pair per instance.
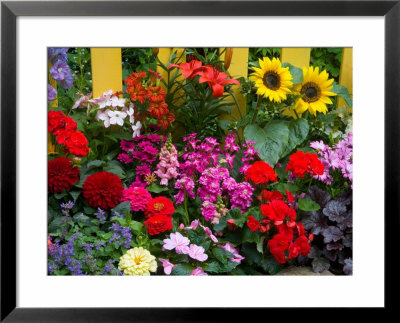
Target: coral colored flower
{"points": [[61, 174], [138, 196], [189, 70], [176, 241], [137, 262], [260, 172], [167, 266], [198, 272], [159, 206], [197, 252], [253, 223], [137, 93], [301, 163], [77, 144], [103, 190], [216, 80], [158, 224]]}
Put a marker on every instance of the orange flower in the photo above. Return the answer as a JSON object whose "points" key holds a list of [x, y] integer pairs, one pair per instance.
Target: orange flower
{"points": [[165, 120], [216, 80], [158, 108], [189, 70], [137, 92], [156, 93]]}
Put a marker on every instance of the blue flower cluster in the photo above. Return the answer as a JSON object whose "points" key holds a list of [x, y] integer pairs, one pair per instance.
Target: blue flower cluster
{"points": [[119, 233], [60, 71]]}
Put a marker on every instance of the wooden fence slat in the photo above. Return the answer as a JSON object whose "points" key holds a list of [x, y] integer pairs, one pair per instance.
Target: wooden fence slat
{"points": [[299, 57], [346, 74], [106, 70]]}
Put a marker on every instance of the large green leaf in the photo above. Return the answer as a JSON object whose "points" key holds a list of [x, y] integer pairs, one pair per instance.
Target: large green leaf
{"points": [[270, 265], [182, 269], [270, 141], [343, 92], [296, 72], [222, 255], [308, 205], [298, 132]]}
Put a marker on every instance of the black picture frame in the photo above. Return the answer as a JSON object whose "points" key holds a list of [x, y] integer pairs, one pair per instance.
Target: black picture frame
{"points": [[10, 10]]}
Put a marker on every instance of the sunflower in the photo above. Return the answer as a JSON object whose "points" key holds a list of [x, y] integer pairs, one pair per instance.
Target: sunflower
{"points": [[272, 80], [315, 90]]}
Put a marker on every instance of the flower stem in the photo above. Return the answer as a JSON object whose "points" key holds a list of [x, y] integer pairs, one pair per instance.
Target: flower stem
{"points": [[186, 211], [236, 102], [256, 110], [309, 184]]}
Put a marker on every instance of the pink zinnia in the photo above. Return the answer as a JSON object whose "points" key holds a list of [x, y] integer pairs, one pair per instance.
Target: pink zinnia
{"points": [[177, 242], [197, 252], [198, 272], [138, 196]]}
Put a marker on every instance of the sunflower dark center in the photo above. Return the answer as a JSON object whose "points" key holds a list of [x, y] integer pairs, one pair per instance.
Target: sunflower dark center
{"points": [[311, 91], [272, 80]]}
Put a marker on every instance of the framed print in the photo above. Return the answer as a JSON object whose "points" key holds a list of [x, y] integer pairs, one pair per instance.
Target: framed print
{"points": [[197, 138]]}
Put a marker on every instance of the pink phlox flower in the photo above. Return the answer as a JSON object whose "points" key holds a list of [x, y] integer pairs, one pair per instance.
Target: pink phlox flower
{"points": [[167, 266], [178, 242], [319, 145], [198, 272], [230, 248], [209, 233], [197, 252]]}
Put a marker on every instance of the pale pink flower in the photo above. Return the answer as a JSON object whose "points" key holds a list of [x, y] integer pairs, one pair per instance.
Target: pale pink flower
{"points": [[167, 265], [197, 252], [177, 242], [209, 233], [198, 272]]}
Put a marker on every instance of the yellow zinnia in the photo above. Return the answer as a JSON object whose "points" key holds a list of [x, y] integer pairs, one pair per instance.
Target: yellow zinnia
{"points": [[272, 80], [315, 89], [137, 262]]}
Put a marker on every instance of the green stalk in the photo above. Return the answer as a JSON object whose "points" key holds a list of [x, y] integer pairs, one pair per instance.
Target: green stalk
{"points": [[259, 99], [186, 210]]}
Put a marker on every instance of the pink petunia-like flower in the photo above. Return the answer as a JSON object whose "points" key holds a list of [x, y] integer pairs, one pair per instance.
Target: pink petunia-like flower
{"points": [[198, 272], [178, 242], [197, 252], [138, 196], [209, 233], [167, 266], [230, 248]]}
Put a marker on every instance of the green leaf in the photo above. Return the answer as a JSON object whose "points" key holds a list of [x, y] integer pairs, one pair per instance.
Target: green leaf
{"points": [[291, 187], [182, 270], [250, 236], [155, 188], [249, 251], [95, 163], [308, 205], [270, 141], [74, 194], [122, 208], [233, 237], [222, 255], [298, 132], [260, 245], [221, 225], [297, 73], [136, 226], [195, 237], [270, 265], [343, 92], [89, 210], [216, 267], [59, 196]]}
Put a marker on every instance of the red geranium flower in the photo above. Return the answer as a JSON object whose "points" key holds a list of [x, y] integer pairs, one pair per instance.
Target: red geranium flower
{"points": [[158, 224], [61, 174], [77, 144], [58, 122], [216, 80], [278, 245], [159, 206], [300, 247], [189, 70], [103, 190], [277, 211], [260, 172], [253, 223], [301, 163], [267, 196]]}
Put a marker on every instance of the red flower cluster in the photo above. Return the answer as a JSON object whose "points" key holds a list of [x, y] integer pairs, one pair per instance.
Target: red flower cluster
{"points": [[278, 211], [267, 196], [253, 223], [159, 206], [65, 130], [141, 91], [208, 74], [260, 172], [159, 213], [301, 163], [103, 190], [61, 174]]}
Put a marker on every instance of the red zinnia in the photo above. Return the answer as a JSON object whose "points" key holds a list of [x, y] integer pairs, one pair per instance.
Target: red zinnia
{"points": [[253, 223], [216, 80], [158, 224], [260, 172], [77, 144], [301, 163], [103, 190], [159, 206], [61, 174], [189, 70]]}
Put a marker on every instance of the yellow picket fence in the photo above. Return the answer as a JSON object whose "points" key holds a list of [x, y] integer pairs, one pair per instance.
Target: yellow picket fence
{"points": [[107, 68]]}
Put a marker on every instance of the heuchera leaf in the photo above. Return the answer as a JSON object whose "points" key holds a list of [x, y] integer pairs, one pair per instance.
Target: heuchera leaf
{"points": [[334, 246], [332, 234], [348, 267], [348, 240], [315, 222], [335, 211], [320, 196], [347, 222], [345, 198], [320, 264], [330, 254], [314, 252]]}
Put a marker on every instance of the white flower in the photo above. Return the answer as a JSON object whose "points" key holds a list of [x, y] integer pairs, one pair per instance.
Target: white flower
{"points": [[117, 117], [104, 117], [104, 100], [117, 102], [81, 100], [136, 129], [130, 111]]}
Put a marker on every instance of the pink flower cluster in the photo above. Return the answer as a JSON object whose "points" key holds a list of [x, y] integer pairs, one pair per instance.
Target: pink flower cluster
{"points": [[185, 185], [181, 245], [339, 158], [230, 248], [137, 196], [249, 155], [167, 168]]}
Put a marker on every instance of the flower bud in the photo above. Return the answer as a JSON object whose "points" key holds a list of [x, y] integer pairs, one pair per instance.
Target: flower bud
{"points": [[155, 50], [228, 57]]}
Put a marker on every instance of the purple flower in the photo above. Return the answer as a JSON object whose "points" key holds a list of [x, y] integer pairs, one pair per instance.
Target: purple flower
{"points": [[101, 215], [57, 54], [197, 252], [51, 93], [60, 70]]}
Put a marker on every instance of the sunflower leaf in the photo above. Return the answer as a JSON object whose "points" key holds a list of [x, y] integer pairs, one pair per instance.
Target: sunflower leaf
{"points": [[343, 92], [298, 132], [296, 72]]}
